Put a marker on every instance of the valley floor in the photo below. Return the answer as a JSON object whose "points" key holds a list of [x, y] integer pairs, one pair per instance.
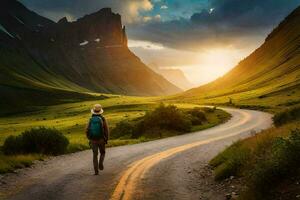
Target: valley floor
{"points": [[71, 120], [162, 162]]}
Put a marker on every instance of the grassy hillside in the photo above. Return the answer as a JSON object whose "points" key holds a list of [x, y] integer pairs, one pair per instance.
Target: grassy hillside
{"points": [[25, 84], [269, 77], [267, 163]]}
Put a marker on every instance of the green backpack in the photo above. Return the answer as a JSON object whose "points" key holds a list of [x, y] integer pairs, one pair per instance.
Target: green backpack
{"points": [[96, 130]]}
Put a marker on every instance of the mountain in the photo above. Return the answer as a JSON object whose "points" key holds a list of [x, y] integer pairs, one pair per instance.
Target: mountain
{"points": [[270, 76], [88, 55], [175, 76]]}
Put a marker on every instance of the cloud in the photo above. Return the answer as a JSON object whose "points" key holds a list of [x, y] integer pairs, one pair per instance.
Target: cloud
{"points": [[56, 9], [189, 24], [223, 22], [135, 7], [148, 19]]}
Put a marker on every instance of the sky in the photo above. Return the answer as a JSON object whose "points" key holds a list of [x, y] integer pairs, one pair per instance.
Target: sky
{"points": [[203, 38]]}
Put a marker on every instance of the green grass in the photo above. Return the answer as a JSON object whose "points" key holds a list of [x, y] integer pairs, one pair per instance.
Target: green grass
{"points": [[231, 161], [71, 120], [10, 163], [254, 159]]}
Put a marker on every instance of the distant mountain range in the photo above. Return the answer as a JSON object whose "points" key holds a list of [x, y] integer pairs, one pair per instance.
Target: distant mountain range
{"points": [[38, 55], [175, 76], [270, 76]]}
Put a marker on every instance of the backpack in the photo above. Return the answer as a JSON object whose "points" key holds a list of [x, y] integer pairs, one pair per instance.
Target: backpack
{"points": [[96, 131]]}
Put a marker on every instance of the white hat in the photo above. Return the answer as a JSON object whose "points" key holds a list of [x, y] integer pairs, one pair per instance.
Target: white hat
{"points": [[97, 109]]}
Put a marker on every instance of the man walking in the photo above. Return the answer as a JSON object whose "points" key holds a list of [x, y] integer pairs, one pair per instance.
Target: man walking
{"points": [[97, 132]]}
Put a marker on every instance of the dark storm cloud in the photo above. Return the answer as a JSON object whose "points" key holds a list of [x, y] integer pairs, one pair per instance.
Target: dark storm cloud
{"points": [[224, 22], [56, 9], [211, 23]]}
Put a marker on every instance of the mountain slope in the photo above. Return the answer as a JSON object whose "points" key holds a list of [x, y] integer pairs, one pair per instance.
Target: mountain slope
{"points": [[270, 76], [88, 55]]}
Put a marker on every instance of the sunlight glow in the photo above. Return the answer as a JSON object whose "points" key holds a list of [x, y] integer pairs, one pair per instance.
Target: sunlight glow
{"points": [[211, 64], [217, 62], [144, 45], [200, 67]]}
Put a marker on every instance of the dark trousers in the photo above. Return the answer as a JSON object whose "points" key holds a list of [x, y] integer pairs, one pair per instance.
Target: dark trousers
{"points": [[96, 147]]}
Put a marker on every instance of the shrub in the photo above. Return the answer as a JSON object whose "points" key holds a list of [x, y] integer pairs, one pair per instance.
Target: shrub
{"points": [[282, 162], [37, 140], [209, 109], [12, 144], [286, 116], [164, 118], [123, 128], [197, 116]]}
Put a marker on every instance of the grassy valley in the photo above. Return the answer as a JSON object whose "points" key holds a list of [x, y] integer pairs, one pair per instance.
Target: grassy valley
{"points": [[71, 120]]}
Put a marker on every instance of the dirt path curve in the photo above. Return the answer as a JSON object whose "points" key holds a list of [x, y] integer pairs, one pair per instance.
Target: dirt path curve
{"points": [[169, 168]]}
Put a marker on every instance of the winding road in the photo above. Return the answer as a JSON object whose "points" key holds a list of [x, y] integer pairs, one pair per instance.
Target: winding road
{"points": [[163, 169]]}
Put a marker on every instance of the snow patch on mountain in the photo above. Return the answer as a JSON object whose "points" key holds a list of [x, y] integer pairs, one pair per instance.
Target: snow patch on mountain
{"points": [[5, 31], [83, 43], [18, 19]]}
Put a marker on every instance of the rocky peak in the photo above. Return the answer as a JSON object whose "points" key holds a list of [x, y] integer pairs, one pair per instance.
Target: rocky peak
{"points": [[107, 11], [103, 26], [63, 20]]}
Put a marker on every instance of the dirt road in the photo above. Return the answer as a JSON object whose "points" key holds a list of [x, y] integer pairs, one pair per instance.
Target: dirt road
{"points": [[170, 168]]}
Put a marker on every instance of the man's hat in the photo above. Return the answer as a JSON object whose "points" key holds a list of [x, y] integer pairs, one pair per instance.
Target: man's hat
{"points": [[97, 109]]}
